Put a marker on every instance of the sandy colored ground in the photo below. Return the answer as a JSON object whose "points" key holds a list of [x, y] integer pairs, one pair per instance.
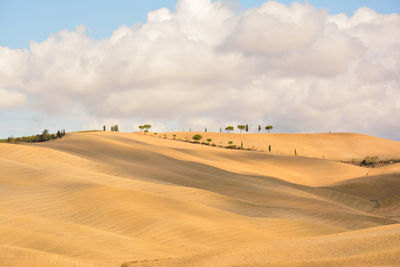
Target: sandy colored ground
{"points": [[104, 199]]}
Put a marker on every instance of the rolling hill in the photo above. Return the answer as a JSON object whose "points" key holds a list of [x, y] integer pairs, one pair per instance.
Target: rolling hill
{"points": [[110, 198]]}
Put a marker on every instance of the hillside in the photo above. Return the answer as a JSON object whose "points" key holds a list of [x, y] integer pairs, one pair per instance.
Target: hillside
{"points": [[104, 199], [335, 146]]}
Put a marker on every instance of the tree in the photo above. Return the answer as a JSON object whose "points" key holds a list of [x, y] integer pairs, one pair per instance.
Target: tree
{"points": [[229, 128], [141, 128], [112, 128], [241, 127], [147, 127], [116, 128], [247, 127], [197, 137], [269, 128], [104, 127], [259, 128], [205, 130]]}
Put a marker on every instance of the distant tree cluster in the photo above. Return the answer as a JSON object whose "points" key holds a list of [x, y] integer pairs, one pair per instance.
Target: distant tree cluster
{"points": [[114, 128], [246, 128], [45, 136]]}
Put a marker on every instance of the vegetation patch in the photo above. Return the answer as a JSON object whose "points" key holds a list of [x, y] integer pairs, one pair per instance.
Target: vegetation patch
{"points": [[145, 127], [45, 136], [197, 137], [372, 162]]}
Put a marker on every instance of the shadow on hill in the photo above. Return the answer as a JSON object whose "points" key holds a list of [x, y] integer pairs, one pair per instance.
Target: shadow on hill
{"points": [[249, 195], [381, 191]]}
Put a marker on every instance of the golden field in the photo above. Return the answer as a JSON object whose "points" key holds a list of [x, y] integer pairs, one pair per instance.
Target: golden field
{"points": [[112, 199]]}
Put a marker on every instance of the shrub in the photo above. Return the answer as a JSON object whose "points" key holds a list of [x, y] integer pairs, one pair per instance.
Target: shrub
{"points": [[369, 161], [209, 139], [213, 144], [197, 137], [230, 142]]}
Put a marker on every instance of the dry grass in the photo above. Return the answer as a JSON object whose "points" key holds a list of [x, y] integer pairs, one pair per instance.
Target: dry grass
{"points": [[104, 199]]}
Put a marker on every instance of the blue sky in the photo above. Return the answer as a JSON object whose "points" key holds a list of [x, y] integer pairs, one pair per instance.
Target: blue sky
{"points": [[255, 64], [24, 20]]}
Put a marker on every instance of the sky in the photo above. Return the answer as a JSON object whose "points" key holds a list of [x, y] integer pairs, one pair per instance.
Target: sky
{"points": [[312, 66]]}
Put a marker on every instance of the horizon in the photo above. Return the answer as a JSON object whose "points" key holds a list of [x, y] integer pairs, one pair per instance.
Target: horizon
{"points": [[263, 131], [304, 67]]}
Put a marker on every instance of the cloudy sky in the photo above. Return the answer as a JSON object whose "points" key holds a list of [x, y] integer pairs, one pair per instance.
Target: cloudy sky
{"points": [[301, 66]]}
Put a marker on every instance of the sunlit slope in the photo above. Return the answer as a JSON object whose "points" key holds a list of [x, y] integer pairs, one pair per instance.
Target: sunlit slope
{"points": [[337, 146], [102, 199], [379, 246]]}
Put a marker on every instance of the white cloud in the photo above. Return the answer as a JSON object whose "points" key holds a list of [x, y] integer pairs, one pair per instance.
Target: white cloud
{"points": [[205, 63], [11, 99], [277, 28]]}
